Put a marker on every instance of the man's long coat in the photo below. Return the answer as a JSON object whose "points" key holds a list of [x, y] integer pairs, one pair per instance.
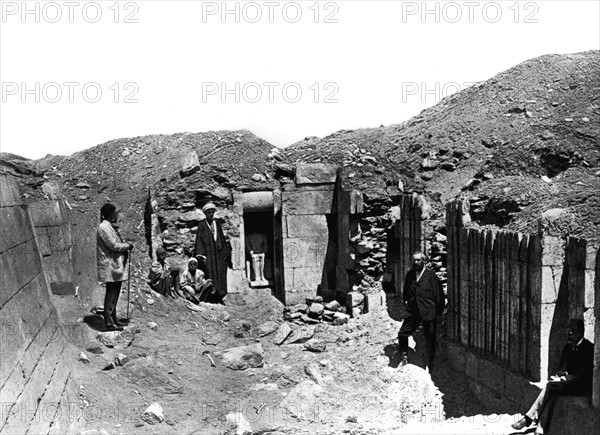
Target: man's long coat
{"points": [[217, 253]]}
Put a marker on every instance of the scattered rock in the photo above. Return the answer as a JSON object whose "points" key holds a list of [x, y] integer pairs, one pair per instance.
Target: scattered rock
{"points": [[429, 164], [315, 310], [265, 387], [153, 414], [340, 318], [121, 359], [212, 340], [126, 153], [316, 346], [312, 371], [282, 333], [121, 339], [301, 400], [309, 320], [94, 348], [243, 357], [355, 298], [300, 335], [224, 316], [238, 422], [83, 358], [267, 328], [109, 366], [332, 306], [153, 326], [189, 163]]}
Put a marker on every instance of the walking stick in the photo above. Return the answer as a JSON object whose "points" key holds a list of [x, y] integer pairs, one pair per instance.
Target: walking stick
{"points": [[129, 282]]}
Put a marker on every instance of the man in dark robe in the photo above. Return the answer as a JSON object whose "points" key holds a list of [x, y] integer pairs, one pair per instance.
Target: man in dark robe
{"points": [[211, 243], [425, 301]]}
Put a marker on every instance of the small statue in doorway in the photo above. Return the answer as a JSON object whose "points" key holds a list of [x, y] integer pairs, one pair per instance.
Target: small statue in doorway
{"points": [[257, 246]]}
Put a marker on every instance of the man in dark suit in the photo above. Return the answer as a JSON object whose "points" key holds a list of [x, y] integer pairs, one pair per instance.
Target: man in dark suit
{"points": [[211, 243], [574, 378], [424, 300]]}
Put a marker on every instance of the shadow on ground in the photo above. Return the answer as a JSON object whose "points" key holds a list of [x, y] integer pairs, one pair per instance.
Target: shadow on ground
{"points": [[95, 321]]}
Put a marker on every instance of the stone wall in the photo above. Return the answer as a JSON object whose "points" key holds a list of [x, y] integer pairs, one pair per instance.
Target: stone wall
{"points": [[53, 231], [34, 367], [306, 237]]}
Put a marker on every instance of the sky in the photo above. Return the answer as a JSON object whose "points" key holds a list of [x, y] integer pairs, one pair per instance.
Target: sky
{"points": [[75, 74]]}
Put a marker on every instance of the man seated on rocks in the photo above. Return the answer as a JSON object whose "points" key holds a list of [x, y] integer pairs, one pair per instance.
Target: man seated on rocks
{"points": [[574, 378], [193, 284], [161, 278]]}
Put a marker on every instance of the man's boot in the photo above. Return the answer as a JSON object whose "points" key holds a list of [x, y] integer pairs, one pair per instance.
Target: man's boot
{"points": [[403, 348], [117, 321]]}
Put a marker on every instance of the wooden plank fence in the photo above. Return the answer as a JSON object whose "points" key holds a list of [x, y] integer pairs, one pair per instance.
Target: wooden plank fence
{"points": [[491, 306]]}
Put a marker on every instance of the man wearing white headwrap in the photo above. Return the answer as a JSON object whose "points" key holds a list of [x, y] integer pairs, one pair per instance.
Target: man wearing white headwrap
{"points": [[211, 243]]}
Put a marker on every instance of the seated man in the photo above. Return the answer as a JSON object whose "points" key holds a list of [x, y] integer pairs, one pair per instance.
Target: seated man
{"points": [[574, 378], [161, 278], [193, 284]]}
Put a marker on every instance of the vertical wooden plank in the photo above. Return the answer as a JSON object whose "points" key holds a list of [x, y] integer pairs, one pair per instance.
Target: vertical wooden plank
{"points": [[450, 272], [514, 301], [506, 298], [476, 289], [489, 293], [464, 289], [523, 302], [494, 287], [481, 289], [454, 258], [501, 301], [534, 307]]}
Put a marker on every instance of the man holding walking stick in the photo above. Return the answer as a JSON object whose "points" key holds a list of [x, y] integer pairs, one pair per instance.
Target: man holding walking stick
{"points": [[111, 255]]}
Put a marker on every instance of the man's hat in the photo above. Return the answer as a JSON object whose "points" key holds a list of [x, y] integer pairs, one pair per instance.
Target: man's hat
{"points": [[192, 260], [209, 206], [576, 324]]}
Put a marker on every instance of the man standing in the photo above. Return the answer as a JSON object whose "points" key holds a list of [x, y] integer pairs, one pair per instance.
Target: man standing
{"points": [[211, 243], [574, 377], [424, 300]]}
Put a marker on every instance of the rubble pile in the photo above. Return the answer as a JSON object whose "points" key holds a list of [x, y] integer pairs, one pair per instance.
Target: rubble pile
{"points": [[315, 311]]}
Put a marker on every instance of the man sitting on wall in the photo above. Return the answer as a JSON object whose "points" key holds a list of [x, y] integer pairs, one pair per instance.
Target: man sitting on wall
{"points": [[574, 378], [161, 278]]}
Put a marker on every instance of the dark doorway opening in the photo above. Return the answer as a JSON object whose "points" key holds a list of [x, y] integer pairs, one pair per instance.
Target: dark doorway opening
{"points": [[258, 235]]}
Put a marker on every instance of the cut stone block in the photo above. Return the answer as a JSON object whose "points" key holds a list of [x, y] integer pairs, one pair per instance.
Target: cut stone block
{"points": [[306, 226], [315, 173], [307, 202], [189, 163]]}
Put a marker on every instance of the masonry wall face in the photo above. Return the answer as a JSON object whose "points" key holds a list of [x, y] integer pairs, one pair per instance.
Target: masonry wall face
{"points": [[305, 238], [53, 231], [28, 319]]}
